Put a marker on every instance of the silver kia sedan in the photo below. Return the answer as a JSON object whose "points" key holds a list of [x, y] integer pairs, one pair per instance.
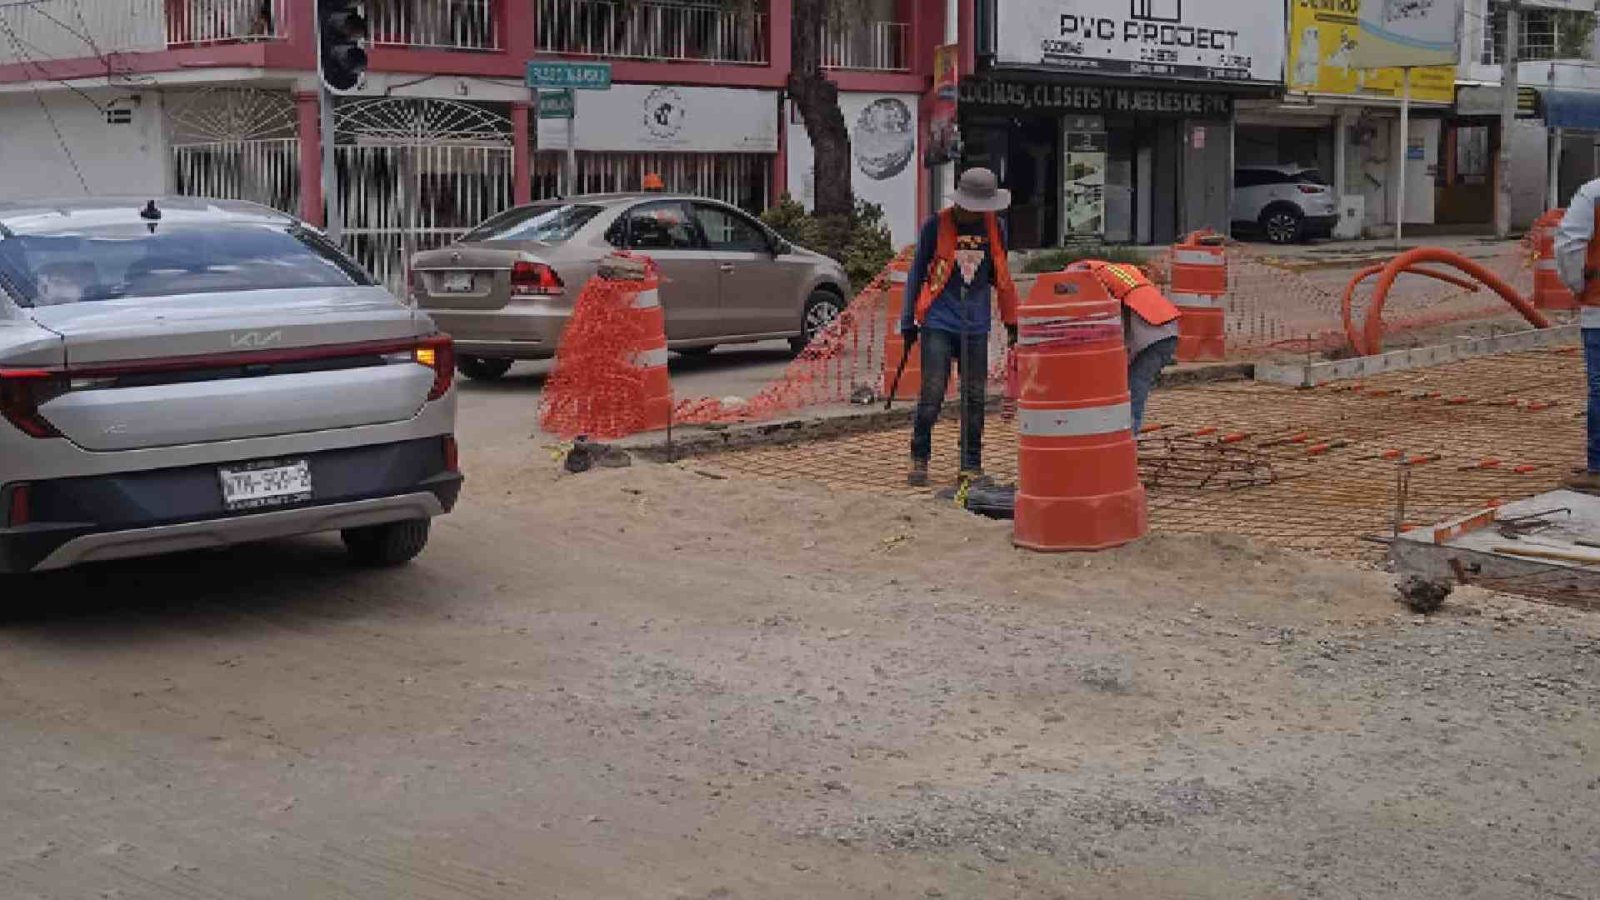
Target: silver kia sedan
{"points": [[178, 374], [506, 289]]}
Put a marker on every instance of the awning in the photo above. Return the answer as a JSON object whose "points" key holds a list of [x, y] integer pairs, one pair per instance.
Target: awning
{"points": [[1578, 110], [1559, 107]]}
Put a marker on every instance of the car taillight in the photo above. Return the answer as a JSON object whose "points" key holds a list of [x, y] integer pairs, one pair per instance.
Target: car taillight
{"points": [[439, 354], [531, 279], [452, 454], [19, 509], [21, 393], [1311, 189]]}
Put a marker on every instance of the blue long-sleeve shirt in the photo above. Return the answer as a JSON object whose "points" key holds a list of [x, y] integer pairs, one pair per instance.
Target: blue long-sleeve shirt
{"points": [[962, 308]]}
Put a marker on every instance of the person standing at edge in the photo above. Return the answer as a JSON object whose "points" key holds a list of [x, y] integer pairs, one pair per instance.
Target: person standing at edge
{"points": [[1578, 264], [960, 263]]}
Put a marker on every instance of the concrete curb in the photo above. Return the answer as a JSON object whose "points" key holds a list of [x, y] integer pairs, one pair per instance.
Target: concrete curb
{"points": [[1313, 374], [836, 421]]}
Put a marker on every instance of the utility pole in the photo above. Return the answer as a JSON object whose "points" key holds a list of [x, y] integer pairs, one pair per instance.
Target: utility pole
{"points": [[1508, 115]]}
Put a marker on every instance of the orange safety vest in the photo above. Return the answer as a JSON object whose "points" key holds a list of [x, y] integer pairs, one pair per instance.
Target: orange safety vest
{"points": [[943, 265], [1591, 267], [1130, 285]]}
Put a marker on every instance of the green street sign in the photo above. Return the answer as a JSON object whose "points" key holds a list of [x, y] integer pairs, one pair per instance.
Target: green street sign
{"points": [[557, 105], [580, 76]]}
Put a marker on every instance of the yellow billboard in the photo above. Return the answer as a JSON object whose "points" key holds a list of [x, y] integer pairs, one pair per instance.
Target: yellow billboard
{"points": [[1322, 37]]}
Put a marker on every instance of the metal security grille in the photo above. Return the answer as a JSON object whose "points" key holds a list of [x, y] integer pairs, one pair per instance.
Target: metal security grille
{"points": [[742, 179], [651, 29], [417, 174], [236, 144]]}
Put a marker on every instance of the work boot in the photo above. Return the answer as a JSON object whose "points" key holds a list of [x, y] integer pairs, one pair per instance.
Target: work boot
{"points": [[1584, 482], [917, 477]]}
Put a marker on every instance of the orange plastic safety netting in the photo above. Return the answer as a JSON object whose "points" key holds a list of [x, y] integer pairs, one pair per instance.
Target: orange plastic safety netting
{"points": [[597, 388], [1282, 304], [843, 363], [1274, 304]]}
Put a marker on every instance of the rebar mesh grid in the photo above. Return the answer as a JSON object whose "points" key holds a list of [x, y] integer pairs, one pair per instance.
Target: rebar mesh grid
{"points": [[1307, 469]]}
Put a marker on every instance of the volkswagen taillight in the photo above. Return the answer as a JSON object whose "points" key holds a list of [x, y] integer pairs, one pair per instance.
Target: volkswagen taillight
{"points": [[22, 391], [1311, 188], [534, 279]]}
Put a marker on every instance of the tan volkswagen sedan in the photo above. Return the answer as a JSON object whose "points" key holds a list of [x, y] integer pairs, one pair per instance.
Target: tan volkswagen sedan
{"points": [[506, 289]]}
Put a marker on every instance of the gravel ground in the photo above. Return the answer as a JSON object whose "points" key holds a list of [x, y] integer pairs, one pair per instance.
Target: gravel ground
{"points": [[654, 683]]}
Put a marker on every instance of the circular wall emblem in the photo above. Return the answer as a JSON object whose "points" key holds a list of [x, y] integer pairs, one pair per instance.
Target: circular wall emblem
{"points": [[885, 138], [663, 113]]}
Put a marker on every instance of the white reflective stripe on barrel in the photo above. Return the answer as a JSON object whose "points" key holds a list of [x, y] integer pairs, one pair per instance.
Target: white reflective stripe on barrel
{"points": [[647, 299], [1034, 330], [1548, 265], [1198, 258], [651, 359], [1183, 299], [1589, 317], [1075, 422], [898, 277]]}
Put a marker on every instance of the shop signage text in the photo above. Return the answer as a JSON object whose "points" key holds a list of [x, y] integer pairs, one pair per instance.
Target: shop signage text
{"points": [[1098, 100], [1210, 41]]}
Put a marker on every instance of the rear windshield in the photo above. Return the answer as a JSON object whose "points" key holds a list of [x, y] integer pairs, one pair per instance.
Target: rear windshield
{"points": [[550, 223], [116, 262], [1310, 176]]}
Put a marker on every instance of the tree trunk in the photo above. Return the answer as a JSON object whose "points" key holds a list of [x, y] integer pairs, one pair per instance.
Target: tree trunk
{"points": [[817, 98]]}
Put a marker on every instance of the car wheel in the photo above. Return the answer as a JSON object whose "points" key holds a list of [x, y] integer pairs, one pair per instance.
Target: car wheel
{"points": [[822, 307], [1282, 224], [382, 546]]}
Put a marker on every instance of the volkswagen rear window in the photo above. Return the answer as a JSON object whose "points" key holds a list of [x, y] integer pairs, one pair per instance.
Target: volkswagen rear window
{"points": [[130, 261], [1310, 176], [549, 223]]}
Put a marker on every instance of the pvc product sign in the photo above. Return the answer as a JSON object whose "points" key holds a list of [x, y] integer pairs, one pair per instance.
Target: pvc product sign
{"points": [[1200, 40], [1407, 33], [662, 117], [1323, 37]]}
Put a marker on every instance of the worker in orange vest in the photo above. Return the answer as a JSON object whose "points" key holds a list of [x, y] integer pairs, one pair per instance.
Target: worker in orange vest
{"points": [[959, 268], [1578, 264], [1149, 329]]}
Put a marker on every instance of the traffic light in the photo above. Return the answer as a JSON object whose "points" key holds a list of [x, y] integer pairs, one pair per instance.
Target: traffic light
{"points": [[341, 28]]}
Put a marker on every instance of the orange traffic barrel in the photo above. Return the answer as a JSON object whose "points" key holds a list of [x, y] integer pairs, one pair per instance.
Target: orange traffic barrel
{"points": [[894, 346], [1077, 464], [1548, 290], [1199, 284], [643, 299]]}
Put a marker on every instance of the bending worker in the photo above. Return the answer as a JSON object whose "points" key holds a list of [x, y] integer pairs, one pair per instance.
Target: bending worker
{"points": [[960, 264], [1149, 329], [1578, 263]]}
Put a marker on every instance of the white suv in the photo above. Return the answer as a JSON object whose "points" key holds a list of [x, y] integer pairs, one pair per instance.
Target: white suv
{"points": [[1285, 203]]}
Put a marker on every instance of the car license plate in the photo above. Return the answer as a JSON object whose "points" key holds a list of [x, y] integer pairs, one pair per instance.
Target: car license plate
{"points": [[458, 282], [257, 485]]}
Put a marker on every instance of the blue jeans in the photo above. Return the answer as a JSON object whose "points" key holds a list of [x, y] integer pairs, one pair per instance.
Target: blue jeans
{"points": [[1146, 367], [971, 353], [1591, 362]]}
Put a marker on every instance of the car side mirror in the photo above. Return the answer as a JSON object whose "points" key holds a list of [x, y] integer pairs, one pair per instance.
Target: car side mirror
{"points": [[781, 247]]}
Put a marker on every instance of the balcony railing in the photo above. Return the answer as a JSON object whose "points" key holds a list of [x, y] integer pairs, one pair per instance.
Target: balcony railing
{"points": [[434, 24], [56, 30], [193, 23], [873, 47], [673, 32]]}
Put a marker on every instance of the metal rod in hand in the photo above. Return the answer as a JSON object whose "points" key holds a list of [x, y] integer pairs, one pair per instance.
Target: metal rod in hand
{"points": [[894, 388]]}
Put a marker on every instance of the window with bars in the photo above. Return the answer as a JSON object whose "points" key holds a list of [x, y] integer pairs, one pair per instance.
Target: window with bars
{"points": [[1544, 34]]}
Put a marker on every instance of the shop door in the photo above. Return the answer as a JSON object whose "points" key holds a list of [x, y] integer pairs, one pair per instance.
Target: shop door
{"points": [[1206, 177]]}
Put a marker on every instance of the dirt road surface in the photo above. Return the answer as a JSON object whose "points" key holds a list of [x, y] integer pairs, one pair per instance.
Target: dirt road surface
{"points": [[652, 683]]}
